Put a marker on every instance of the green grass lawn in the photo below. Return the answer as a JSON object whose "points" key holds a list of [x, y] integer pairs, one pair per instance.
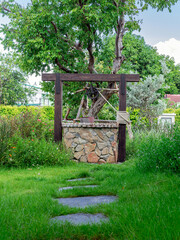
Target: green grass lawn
{"points": [[147, 206]]}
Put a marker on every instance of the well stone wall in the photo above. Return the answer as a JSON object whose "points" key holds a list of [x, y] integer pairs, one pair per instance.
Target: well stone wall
{"points": [[93, 143]]}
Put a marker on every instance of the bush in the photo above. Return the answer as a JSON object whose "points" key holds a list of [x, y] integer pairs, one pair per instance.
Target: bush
{"points": [[46, 113], [32, 125], [5, 133], [33, 152], [28, 124], [160, 151], [26, 141]]}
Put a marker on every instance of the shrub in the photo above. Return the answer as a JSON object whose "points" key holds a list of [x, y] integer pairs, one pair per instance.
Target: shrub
{"points": [[160, 151], [33, 152], [46, 113], [5, 133], [28, 124], [32, 125]]}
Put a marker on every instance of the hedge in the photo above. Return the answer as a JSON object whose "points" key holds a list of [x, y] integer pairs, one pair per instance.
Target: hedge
{"points": [[46, 112]]}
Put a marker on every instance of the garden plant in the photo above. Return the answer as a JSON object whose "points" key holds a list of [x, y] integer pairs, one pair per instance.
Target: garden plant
{"points": [[33, 167]]}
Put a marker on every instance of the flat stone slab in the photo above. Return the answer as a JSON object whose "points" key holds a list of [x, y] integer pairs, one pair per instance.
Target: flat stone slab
{"points": [[82, 202], [77, 179], [81, 218], [72, 187]]}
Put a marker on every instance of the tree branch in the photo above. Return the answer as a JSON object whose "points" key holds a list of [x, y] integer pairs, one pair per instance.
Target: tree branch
{"points": [[55, 27], [91, 57], [120, 30], [115, 3], [7, 10], [63, 68]]}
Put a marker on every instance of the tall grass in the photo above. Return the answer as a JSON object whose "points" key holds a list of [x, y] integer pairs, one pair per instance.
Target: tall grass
{"points": [[156, 149], [160, 150]]}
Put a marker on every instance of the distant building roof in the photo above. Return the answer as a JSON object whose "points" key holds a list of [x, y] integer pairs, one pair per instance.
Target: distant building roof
{"points": [[173, 97]]}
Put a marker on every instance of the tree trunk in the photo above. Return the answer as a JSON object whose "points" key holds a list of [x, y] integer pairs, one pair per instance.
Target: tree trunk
{"points": [[97, 105], [119, 58]]}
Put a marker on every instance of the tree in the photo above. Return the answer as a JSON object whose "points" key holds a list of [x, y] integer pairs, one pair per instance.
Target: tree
{"points": [[146, 95], [67, 34], [12, 82], [139, 56], [173, 77]]}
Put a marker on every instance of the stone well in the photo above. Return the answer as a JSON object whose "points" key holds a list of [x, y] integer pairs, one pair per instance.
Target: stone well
{"points": [[92, 142]]}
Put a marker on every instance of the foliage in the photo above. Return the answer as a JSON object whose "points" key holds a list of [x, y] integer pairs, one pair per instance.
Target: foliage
{"points": [[160, 151], [5, 134], [29, 124], [67, 35], [59, 33], [139, 56], [12, 83], [45, 113], [144, 96], [33, 152], [26, 140], [176, 111], [172, 78]]}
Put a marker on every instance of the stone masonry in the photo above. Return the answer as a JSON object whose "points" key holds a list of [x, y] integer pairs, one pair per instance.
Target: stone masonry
{"points": [[93, 143]]}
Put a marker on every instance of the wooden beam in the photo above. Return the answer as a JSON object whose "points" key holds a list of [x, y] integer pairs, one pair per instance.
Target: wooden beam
{"points": [[90, 77], [58, 109], [122, 127]]}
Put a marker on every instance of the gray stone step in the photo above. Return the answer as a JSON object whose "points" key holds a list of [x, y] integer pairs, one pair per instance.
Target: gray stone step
{"points": [[82, 202], [77, 179], [72, 187], [81, 218]]}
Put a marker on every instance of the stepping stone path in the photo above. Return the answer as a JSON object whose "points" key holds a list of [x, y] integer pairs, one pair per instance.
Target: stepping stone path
{"points": [[87, 186], [81, 218], [82, 202], [77, 179]]}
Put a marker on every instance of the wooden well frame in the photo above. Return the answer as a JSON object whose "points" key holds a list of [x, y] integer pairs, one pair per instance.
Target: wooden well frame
{"points": [[60, 78]]}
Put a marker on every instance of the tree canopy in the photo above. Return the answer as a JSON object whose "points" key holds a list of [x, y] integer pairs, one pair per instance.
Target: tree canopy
{"points": [[67, 35], [12, 83]]}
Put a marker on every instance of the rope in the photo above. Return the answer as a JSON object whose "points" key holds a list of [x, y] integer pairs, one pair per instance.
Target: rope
{"points": [[118, 112]]}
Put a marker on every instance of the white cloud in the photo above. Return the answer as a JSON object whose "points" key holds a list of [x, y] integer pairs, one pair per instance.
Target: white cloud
{"points": [[171, 48]]}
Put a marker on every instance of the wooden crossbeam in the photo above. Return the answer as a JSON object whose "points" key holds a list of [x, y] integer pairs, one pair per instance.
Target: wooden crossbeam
{"points": [[90, 77]]}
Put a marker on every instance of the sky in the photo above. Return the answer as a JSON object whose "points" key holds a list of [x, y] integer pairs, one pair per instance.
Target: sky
{"points": [[159, 29]]}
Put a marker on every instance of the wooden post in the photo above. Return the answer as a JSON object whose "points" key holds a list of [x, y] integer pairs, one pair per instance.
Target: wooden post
{"points": [[122, 127], [58, 109]]}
